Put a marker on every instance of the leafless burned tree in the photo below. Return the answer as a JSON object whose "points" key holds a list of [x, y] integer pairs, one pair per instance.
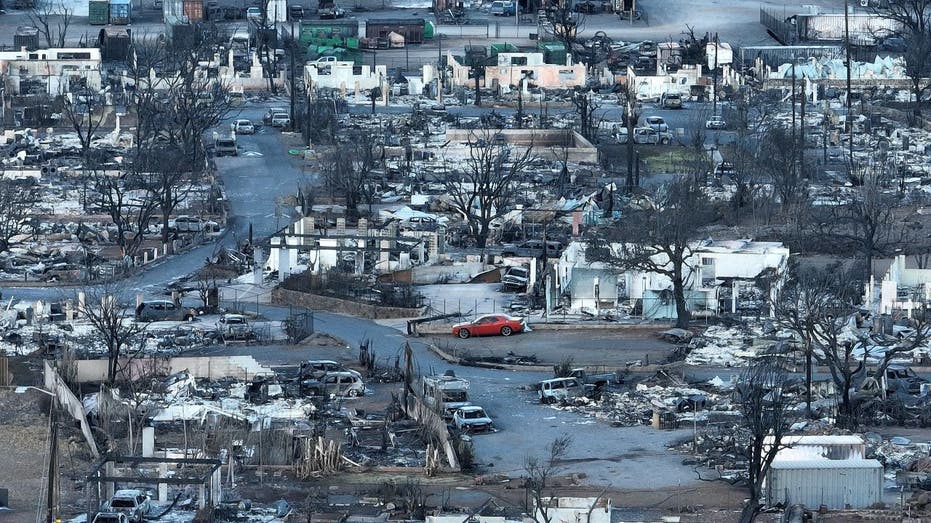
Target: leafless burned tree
{"points": [[483, 187], [52, 19], [18, 200], [348, 171], [540, 471], [659, 238], [767, 413], [111, 316]]}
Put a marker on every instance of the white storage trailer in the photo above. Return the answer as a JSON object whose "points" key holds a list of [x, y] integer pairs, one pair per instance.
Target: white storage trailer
{"points": [[857, 483]]}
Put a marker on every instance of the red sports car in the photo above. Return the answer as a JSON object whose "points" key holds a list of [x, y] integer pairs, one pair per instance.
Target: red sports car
{"points": [[489, 325]]}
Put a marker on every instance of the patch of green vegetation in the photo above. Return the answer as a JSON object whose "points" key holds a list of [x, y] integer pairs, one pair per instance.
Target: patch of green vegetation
{"points": [[674, 160]]}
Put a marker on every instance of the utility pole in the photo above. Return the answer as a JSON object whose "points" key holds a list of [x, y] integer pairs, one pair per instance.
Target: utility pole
{"points": [[794, 141], [440, 70], [801, 130], [847, 120], [293, 79], [52, 462], [714, 101], [520, 103]]}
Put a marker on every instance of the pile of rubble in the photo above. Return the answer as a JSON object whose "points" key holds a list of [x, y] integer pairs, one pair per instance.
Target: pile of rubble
{"points": [[662, 393]]}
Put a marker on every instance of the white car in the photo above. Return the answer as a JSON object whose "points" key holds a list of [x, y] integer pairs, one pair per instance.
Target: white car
{"points": [[648, 135], [244, 127], [472, 419], [716, 123], [267, 118], [254, 14], [281, 120]]}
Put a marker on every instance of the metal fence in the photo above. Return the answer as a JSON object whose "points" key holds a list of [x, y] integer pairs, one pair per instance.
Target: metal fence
{"points": [[299, 326], [774, 22], [776, 55], [646, 309]]}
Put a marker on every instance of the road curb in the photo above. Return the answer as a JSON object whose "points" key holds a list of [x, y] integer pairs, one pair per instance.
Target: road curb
{"points": [[455, 360], [564, 326]]}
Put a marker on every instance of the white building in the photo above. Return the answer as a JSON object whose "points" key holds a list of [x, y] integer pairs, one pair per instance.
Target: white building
{"points": [[654, 86], [50, 71], [720, 276], [905, 286], [575, 510], [362, 248], [345, 76]]}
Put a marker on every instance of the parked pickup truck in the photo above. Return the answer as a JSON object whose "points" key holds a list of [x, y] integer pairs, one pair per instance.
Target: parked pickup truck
{"points": [[598, 380]]}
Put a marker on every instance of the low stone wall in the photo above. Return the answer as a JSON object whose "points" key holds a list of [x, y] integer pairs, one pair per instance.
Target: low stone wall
{"points": [[363, 310]]}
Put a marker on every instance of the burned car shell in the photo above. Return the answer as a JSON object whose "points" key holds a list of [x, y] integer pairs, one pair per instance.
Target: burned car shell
{"points": [[516, 278], [559, 389], [335, 384], [133, 503], [472, 419]]}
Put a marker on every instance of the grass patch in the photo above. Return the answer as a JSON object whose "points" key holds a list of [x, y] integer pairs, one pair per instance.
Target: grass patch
{"points": [[672, 160]]}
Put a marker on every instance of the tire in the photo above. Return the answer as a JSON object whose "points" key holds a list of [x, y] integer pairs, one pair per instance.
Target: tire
{"points": [[464, 334], [664, 141], [506, 331], [353, 393]]}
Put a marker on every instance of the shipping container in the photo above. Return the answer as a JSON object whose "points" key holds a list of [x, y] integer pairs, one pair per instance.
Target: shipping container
{"points": [[411, 29], [277, 11], [553, 52], [776, 55], [857, 483], [322, 29], [98, 12], [179, 32], [114, 44], [183, 11], [120, 12], [502, 48], [26, 37], [193, 10]]}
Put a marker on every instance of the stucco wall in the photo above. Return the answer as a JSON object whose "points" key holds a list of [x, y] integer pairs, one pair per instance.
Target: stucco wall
{"points": [[329, 304]]}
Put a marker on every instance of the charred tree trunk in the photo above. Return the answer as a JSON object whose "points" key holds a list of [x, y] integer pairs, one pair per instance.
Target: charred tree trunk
{"points": [[678, 290]]}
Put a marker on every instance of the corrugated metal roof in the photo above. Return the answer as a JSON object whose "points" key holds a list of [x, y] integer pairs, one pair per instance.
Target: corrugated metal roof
{"points": [[826, 464]]}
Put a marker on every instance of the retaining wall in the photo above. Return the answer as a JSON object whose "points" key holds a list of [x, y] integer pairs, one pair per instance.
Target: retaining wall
{"points": [[327, 303]]}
